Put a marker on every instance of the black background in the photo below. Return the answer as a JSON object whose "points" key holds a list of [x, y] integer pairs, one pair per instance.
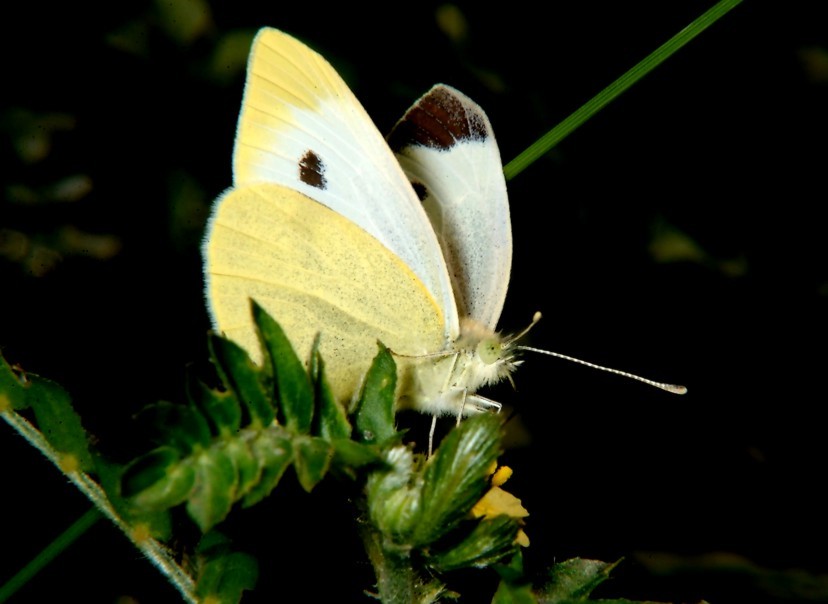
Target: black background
{"points": [[725, 143]]}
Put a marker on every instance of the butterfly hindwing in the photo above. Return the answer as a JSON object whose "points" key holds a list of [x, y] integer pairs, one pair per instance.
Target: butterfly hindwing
{"points": [[313, 270]]}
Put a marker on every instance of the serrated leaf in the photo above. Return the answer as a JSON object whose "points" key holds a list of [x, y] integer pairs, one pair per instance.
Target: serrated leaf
{"points": [[57, 420], [312, 460], [455, 476], [274, 453], [12, 388], [488, 542], [158, 480], [179, 426], [375, 408], [241, 376], [223, 574], [214, 490], [573, 580], [292, 385], [152, 523], [222, 409], [330, 419], [248, 468]]}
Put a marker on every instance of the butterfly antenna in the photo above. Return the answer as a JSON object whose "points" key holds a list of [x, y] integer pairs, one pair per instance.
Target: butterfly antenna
{"points": [[674, 388], [514, 338]]}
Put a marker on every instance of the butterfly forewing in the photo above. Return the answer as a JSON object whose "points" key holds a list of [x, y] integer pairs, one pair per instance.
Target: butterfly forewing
{"points": [[301, 127]]}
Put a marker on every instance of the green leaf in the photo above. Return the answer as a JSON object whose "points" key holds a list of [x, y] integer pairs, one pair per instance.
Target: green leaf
{"points": [[395, 496], [54, 415], [179, 426], [350, 455], [573, 580], [57, 420], [12, 388], [330, 419], [514, 588], [221, 408], [489, 541], [223, 579], [313, 458], [274, 453], [455, 476], [241, 376], [292, 385], [157, 522], [223, 574], [375, 408], [214, 490], [248, 467], [158, 480], [508, 593]]}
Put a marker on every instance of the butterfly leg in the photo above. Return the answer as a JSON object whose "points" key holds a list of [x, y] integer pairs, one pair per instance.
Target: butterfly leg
{"points": [[431, 434], [463, 405], [481, 403]]}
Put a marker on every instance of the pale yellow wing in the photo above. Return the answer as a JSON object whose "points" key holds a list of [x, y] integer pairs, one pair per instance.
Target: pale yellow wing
{"points": [[301, 126], [313, 271]]}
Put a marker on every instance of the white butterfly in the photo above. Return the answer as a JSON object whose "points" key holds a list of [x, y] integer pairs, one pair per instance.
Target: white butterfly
{"points": [[333, 229]]}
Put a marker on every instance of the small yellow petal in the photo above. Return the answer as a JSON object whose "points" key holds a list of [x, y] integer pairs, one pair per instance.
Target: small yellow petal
{"points": [[499, 502], [522, 539], [503, 474]]}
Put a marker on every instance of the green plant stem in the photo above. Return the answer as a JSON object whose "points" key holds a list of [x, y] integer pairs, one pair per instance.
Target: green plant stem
{"points": [[49, 553], [152, 549], [399, 580], [396, 579], [608, 94]]}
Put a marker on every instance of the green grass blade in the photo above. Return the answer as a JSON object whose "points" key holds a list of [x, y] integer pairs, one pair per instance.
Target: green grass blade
{"points": [[49, 553], [608, 94]]}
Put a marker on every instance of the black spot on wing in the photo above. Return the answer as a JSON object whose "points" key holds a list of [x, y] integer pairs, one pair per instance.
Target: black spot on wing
{"points": [[312, 170], [420, 189], [438, 120]]}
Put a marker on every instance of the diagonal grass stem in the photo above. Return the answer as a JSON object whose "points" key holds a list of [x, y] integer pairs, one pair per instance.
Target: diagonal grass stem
{"points": [[608, 94]]}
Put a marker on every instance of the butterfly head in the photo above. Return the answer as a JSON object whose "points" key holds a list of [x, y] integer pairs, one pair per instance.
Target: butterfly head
{"points": [[484, 356]]}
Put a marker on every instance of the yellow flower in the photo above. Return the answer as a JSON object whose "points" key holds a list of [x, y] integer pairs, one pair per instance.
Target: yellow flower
{"points": [[497, 502]]}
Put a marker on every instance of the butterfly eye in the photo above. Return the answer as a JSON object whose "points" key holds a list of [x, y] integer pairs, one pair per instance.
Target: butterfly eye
{"points": [[489, 350]]}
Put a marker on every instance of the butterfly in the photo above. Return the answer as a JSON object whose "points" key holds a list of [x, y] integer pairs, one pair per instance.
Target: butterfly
{"points": [[334, 229]]}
